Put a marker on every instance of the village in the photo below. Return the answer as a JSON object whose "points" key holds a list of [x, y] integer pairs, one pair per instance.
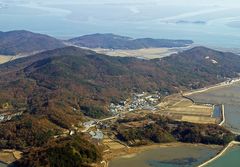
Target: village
{"points": [[7, 112], [175, 106], [138, 102]]}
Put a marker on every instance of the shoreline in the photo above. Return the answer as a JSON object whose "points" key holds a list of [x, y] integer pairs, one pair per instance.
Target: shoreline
{"points": [[3, 163], [223, 106], [231, 144], [218, 85], [134, 151]]}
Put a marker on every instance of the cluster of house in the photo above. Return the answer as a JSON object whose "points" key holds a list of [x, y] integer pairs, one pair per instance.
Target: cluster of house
{"points": [[9, 116], [117, 108], [89, 124], [142, 101], [230, 81], [98, 134]]}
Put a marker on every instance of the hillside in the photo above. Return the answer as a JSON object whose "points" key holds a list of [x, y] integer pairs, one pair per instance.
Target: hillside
{"points": [[22, 42], [165, 130], [57, 88], [72, 151], [112, 41], [53, 91]]}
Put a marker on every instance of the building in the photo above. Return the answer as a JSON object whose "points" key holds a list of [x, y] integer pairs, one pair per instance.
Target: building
{"points": [[98, 135], [88, 124]]}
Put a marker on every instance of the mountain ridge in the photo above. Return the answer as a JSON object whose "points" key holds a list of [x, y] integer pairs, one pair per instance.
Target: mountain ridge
{"points": [[99, 79], [61, 88], [112, 41], [25, 42]]}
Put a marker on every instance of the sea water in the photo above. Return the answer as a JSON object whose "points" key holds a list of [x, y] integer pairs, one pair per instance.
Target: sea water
{"points": [[229, 159], [230, 97], [206, 24], [172, 156], [193, 156]]}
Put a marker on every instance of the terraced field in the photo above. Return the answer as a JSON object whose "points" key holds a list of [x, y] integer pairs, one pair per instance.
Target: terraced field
{"points": [[183, 109]]}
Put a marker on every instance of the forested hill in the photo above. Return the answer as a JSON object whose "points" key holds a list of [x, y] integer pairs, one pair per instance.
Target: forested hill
{"points": [[84, 79], [25, 42], [58, 88], [112, 41]]}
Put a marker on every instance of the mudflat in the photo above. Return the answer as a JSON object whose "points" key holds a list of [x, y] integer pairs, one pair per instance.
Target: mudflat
{"points": [[167, 155]]}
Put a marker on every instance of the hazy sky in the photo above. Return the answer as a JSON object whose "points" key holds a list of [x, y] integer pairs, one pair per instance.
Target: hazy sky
{"points": [[225, 3], [211, 21], [161, 2]]}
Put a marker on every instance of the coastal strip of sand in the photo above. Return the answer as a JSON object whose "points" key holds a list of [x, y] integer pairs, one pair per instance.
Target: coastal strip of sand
{"points": [[222, 84]]}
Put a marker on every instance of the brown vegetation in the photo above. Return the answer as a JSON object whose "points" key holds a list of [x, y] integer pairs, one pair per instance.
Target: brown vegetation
{"points": [[162, 129]]}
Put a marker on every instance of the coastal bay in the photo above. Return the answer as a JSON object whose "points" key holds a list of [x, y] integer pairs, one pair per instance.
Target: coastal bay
{"points": [[168, 156], [229, 96], [230, 158]]}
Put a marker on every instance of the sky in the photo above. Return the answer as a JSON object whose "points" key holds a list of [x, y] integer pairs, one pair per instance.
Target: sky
{"points": [[215, 22], [161, 2]]}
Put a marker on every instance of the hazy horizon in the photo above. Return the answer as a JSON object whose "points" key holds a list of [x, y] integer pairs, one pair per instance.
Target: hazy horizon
{"points": [[210, 22]]}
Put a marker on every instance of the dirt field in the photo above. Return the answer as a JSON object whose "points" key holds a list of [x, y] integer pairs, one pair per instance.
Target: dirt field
{"points": [[9, 156], [113, 145], [149, 53], [183, 109], [4, 59]]}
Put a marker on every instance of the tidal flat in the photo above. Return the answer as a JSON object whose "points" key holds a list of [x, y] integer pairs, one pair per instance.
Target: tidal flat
{"points": [[188, 155]]}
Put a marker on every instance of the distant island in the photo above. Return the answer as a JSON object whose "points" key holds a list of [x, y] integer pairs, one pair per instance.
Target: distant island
{"points": [[21, 42], [25, 42], [190, 22], [112, 41]]}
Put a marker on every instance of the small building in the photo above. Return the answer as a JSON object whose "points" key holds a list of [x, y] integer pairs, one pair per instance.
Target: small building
{"points": [[1, 117], [88, 124], [98, 135], [72, 133]]}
